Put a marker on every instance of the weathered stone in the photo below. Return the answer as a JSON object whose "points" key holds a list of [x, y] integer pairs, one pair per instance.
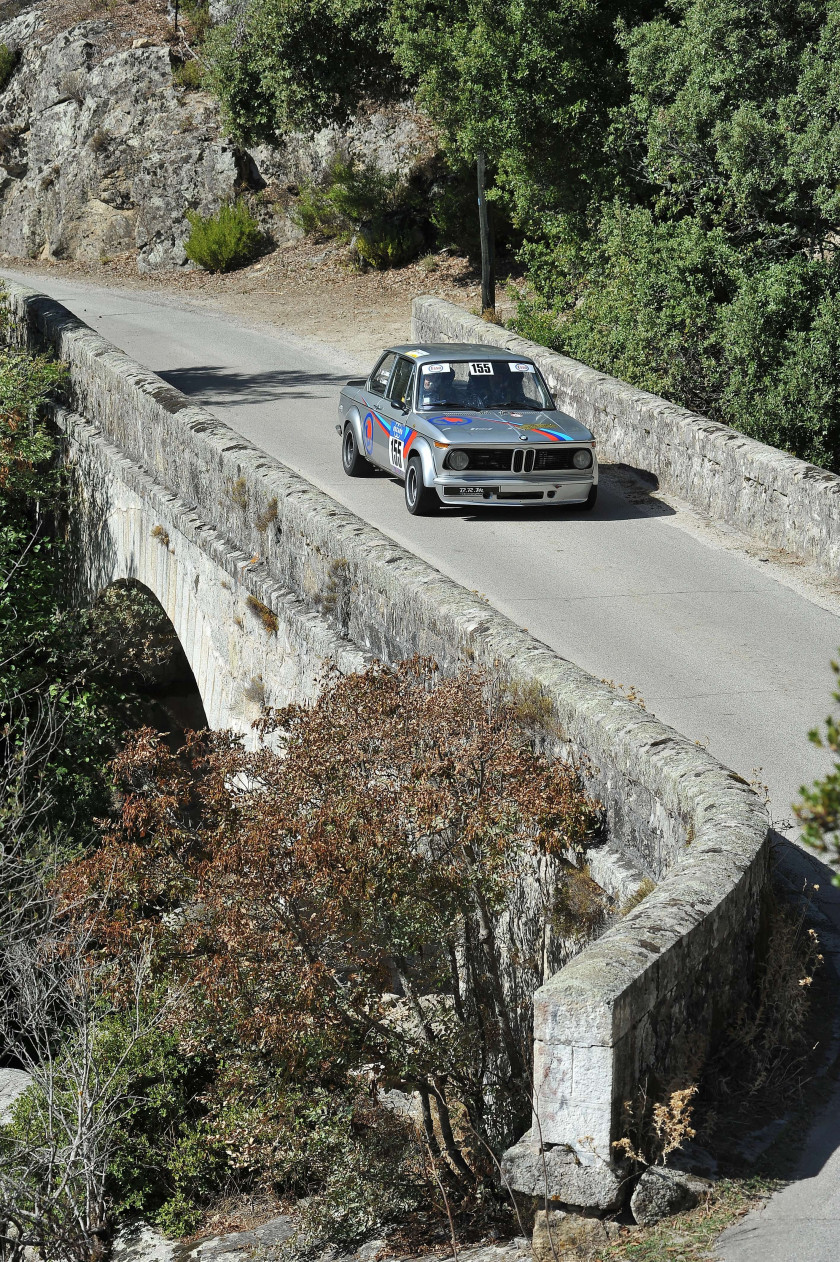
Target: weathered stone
{"points": [[562, 1176], [103, 153], [13, 1083], [662, 1191], [561, 1237], [141, 1243]]}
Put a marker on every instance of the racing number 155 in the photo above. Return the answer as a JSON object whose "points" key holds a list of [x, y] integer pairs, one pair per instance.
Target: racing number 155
{"points": [[397, 458]]}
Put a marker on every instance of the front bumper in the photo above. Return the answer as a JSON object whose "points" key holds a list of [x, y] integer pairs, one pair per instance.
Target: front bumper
{"points": [[503, 491]]}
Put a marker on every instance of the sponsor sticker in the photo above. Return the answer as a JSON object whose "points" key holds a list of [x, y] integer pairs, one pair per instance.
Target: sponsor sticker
{"points": [[483, 368], [521, 367], [435, 368]]}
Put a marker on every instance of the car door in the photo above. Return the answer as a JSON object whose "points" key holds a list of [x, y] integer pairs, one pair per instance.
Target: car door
{"points": [[376, 424], [398, 410]]}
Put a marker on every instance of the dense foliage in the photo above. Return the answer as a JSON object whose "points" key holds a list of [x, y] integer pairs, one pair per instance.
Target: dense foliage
{"points": [[712, 275], [670, 167], [369, 912]]}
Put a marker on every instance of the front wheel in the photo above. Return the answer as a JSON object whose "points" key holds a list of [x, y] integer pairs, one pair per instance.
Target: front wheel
{"points": [[591, 500], [420, 500], [353, 462]]}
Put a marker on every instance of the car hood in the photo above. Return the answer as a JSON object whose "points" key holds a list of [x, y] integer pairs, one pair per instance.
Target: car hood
{"points": [[508, 427]]}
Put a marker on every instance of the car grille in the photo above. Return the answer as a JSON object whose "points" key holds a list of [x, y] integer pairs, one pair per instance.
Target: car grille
{"points": [[556, 458], [489, 461], [519, 460]]}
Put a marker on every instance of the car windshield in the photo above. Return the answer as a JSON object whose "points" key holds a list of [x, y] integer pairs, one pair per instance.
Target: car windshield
{"points": [[482, 386]]}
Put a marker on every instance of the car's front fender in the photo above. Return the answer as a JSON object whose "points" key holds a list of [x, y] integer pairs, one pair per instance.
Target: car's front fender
{"points": [[423, 448]]}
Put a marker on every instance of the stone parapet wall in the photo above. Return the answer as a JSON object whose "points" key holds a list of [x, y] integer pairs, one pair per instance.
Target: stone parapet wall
{"points": [[635, 1002], [781, 501]]}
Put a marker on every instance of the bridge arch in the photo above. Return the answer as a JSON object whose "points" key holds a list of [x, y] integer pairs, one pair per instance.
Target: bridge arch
{"points": [[162, 672]]}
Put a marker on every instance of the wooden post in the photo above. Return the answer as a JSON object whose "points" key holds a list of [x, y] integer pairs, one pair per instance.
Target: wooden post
{"points": [[488, 261]]}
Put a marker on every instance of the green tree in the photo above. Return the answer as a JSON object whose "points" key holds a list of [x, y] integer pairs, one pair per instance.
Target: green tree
{"points": [[287, 64]]}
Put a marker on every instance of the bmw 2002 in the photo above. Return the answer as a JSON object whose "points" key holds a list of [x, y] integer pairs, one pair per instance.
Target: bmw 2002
{"points": [[460, 424]]}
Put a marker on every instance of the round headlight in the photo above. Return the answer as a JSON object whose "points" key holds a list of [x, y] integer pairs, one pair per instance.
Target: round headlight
{"points": [[582, 458], [458, 460]]}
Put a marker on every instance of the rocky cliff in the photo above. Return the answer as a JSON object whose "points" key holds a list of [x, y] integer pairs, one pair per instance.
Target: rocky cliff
{"points": [[101, 152]]}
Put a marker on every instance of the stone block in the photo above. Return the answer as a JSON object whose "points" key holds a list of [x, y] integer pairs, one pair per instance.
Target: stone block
{"points": [[662, 1192], [562, 1237], [561, 1176]]}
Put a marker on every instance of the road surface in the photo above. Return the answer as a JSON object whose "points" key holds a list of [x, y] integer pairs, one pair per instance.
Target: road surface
{"points": [[729, 647]]}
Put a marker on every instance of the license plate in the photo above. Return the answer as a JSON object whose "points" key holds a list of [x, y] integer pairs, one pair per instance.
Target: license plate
{"points": [[476, 492]]}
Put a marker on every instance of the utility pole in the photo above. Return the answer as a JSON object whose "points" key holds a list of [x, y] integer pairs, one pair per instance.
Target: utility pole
{"points": [[488, 260]]}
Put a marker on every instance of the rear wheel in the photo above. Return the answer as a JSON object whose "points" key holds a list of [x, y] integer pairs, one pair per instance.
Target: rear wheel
{"points": [[353, 462], [420, 500]]}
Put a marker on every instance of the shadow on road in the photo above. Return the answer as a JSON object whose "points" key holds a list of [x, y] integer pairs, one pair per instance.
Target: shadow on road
{"points": [[219, 386]]}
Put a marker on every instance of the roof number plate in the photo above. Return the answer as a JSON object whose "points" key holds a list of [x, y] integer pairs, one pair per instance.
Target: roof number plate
{"points": [[481, 369]]}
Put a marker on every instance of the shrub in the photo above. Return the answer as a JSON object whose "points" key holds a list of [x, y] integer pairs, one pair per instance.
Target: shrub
{"points": [[380, 213], [8, 61], [228, 239], [382, 244]]}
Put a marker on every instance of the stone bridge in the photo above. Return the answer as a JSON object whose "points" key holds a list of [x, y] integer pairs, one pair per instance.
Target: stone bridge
{"points": [[267, 580]]}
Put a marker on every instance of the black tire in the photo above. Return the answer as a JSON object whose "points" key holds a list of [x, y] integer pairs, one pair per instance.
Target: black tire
{"points": [[352, 460], [591, 500], [420, 500]]}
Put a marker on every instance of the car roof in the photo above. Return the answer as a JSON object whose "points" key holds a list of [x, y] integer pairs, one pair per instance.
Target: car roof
{"points": [[454, 350]]}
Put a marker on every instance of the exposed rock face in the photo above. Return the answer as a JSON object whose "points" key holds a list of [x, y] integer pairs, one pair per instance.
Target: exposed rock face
{"points": [[661, 1192], [101, 154]]}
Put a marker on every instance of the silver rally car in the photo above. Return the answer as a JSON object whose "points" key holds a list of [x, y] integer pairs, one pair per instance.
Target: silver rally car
{"points": [[460, 424]]}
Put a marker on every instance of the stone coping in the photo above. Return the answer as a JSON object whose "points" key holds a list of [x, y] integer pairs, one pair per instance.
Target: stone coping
{"points": [[768, 494], [695, 826]]}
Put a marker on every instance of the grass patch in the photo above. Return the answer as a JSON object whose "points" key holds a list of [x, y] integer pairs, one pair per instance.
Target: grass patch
{"points": [[690, 1237]]}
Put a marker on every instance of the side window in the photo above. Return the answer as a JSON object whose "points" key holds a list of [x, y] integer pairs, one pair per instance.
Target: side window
{"points": [[381, 373], [401, 382]]}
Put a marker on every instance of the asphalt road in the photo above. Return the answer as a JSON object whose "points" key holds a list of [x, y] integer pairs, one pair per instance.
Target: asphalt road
{"points": [[730, 649]]}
